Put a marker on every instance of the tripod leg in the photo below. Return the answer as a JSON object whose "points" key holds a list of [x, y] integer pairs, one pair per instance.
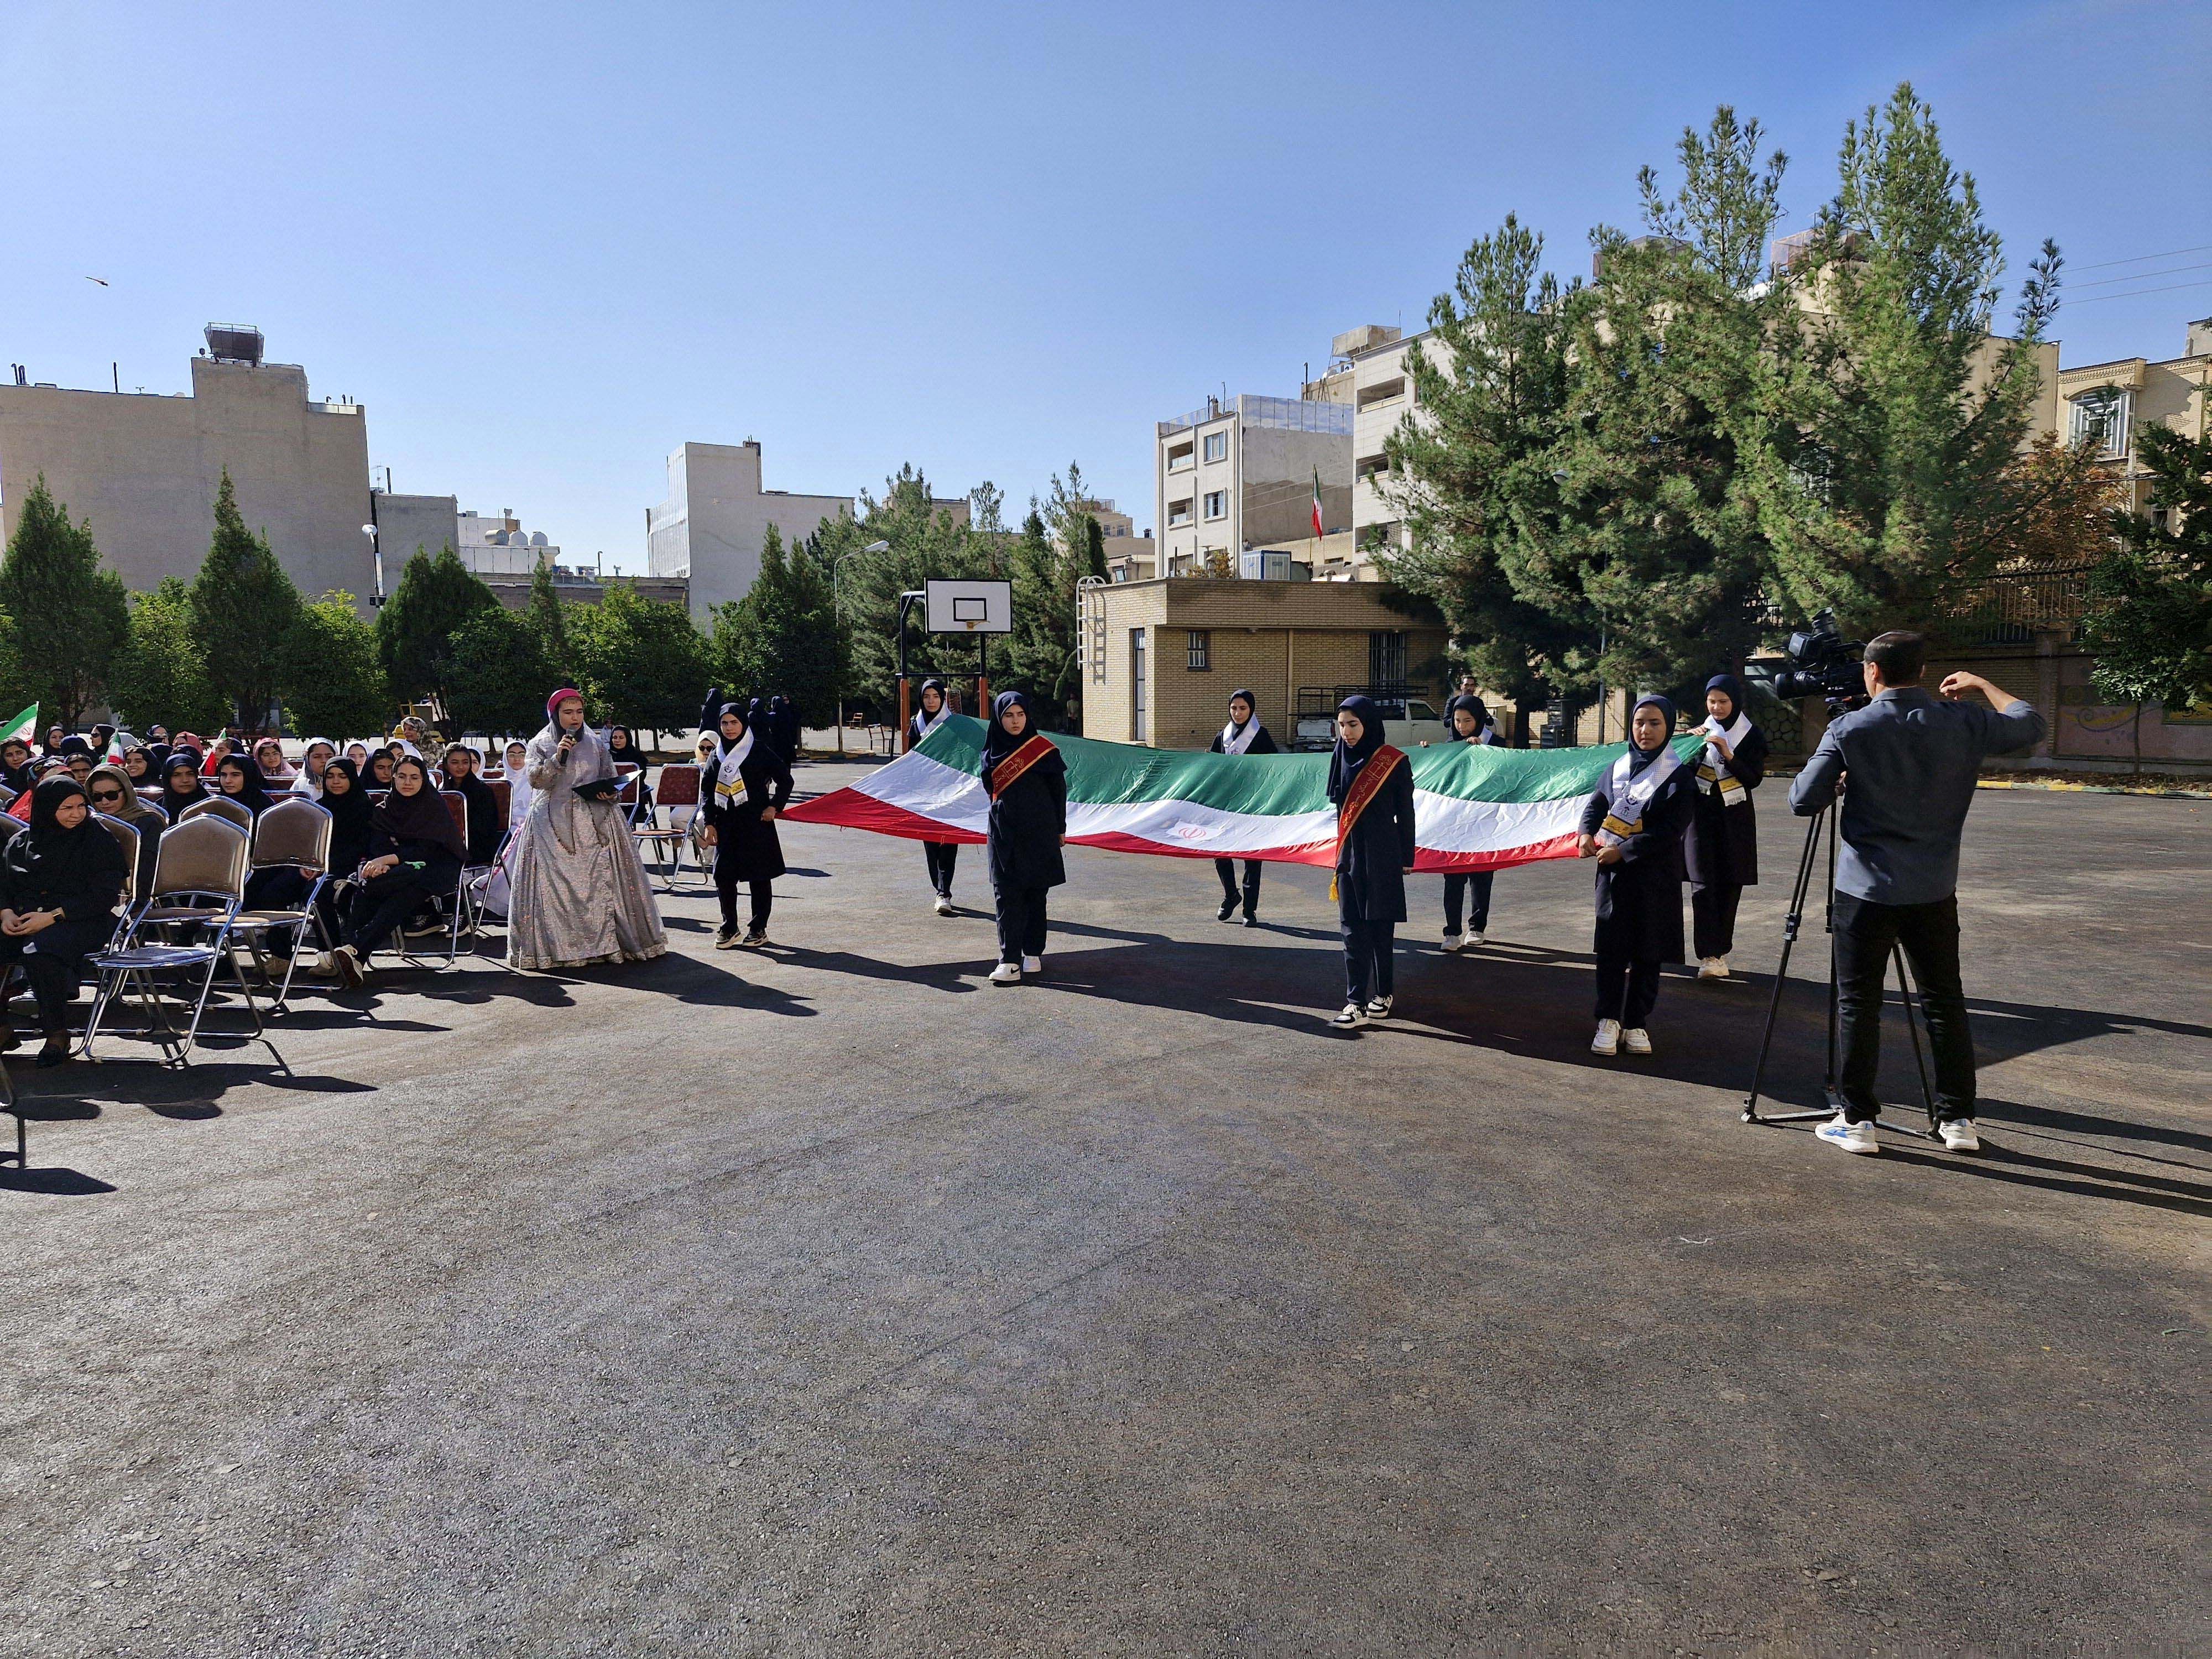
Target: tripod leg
{"points": [[1782, 968], [1912, 1030]]}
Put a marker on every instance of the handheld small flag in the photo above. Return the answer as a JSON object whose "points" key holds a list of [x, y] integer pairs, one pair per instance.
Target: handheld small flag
{"points": [[1318, 531], [24, 725]]}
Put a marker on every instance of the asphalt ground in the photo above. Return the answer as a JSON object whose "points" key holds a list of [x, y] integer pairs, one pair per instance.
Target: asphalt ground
{"points": [[828, 1300]]}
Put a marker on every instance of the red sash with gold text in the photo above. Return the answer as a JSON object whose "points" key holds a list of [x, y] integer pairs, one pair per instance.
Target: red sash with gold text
{"points": [[1008, 771], [1364, 787]]}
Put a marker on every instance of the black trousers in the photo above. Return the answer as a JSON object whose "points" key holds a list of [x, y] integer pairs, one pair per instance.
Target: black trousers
{"points": [[281, 889], [52, 959], [386, 901], [1712, 919], [725, 888], [1866, 936], [1474, 883], [1021, 921], [1627, 986], [1226, 869], [942, 856], [1370, 949]]}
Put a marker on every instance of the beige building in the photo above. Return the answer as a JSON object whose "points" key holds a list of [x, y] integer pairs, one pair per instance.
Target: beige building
{"points": [[715, 522], [2108, 403], [1238, 476], [143, 468], [1129, 557], [1161, 657]]}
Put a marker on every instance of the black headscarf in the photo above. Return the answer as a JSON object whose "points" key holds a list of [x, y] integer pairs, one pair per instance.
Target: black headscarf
{"points": [[79, 870], [486, 822], [933, 683], [998, 742], [18, 776], [350, 818], [1345, 763], [1732, 687], [422, 816], [1474, 705], [174, 800], [1250, 702], [1638, 756], [73, 744], [628, 749], [254, 796]]}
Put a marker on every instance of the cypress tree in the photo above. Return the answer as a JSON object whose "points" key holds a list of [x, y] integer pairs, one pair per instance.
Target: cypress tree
{"points": [[63, 620], [245, 609]]}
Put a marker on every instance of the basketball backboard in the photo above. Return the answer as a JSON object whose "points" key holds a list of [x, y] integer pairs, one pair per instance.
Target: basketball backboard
{"points": [[970, 607]]}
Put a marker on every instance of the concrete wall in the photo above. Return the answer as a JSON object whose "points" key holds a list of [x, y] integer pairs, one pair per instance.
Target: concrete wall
{"points": [[144, 470], [716, 517], [514, 591], [408, 524]]}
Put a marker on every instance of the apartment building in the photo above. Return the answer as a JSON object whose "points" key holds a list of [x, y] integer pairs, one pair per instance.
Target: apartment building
{"points": [[1130, 558], [715, 522], [2109, 404], [1240, 475]]}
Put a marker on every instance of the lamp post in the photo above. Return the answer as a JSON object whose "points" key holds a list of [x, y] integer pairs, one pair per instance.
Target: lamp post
{"points": [[837, 609]]}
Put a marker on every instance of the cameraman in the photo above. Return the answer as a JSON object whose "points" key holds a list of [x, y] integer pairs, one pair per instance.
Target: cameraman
{"points": [[1912, 761]]}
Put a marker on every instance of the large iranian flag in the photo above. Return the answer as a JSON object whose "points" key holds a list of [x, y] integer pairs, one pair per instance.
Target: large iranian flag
{"points": [[1474, 808]]}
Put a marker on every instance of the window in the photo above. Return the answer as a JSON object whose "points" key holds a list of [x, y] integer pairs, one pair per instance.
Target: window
{"points": [[1180, 458], [1382, 394], [1386, 660], [1372, 466], [1179, 512], [1217, 446], [1216, 503], [1200, 648], [2101, 417], [1137, 685]]}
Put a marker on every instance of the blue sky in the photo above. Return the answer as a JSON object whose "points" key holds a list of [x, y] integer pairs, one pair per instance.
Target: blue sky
{"points": [[545, 243]]}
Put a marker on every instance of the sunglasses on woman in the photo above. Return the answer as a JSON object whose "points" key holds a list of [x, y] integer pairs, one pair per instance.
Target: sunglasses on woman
{"points": [[108, 795]]}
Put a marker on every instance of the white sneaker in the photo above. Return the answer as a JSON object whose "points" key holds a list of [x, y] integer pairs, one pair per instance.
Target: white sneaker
{"points": [[1851, 1137], [1473, 940], [1452, 942], [1607, 1039], [1959, 1135], [1713, 967], [1379, 1008], [944, 905], [1637, 1040], [1033, 964], [1352, 1018], [1007, 973]]}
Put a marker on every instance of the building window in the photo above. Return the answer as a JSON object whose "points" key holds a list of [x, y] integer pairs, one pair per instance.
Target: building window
{"points": [[1386, 392], [1216, 503], [1179, 512], [1217, 446], [1372, 466], [2101, 417], [1137, 685], [1180, 458], [1386, 660], [1200, 649]]}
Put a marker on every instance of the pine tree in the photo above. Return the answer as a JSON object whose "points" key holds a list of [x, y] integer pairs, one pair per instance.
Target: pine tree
{"points": [[1040, 653], [416, 630], [63, 620], [782, 638], [160, 677], [923, 542], [548, 619], [641, 662], [334, 683], [245, 607], [500, 674]]}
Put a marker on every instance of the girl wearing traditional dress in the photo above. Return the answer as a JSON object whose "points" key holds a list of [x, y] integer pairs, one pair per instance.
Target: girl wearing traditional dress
{"points": [[1372, 785], [1470, 724], [1026, 778], [940, 855], [1721, 846], [1243, 735], [580, 890], [1632, 826], [748, 784]]}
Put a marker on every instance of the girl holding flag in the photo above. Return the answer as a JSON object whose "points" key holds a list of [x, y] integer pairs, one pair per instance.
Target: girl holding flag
{"points": [[1243, 735], [1026, 778], [1632, 826], [1721, 846], [1470, 724], [940, 855], [1372, 785]]}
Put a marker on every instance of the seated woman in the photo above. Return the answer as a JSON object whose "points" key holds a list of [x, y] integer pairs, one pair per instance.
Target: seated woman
{"points": [[379, 770], [357, 752], [275, 771], [15, 765], [320, 752], [517, 772], [415, 852], [239, 778], [60, 881], [622, 744], [180, 784], [349, 808], [78, 763], [486, 828], [138, 765], [216, 751], [110, 789]]}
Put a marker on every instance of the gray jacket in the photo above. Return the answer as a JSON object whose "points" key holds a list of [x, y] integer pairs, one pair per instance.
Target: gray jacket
{"points": [[1912, 758]]}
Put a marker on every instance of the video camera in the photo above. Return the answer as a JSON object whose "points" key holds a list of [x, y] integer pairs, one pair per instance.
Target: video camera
{"points": [[1819, 662]]}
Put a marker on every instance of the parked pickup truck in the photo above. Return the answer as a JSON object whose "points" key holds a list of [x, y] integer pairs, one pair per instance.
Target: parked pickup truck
{"points": [[1408, 723]]}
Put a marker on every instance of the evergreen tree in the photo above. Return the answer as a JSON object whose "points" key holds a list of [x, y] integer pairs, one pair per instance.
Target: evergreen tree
{"points": [[160, 677], [548, 620], [334, 685], [245, 608], [63, 621], [782, 637], [416, 629], [642, 662], [500, 674], [1471, 475]]}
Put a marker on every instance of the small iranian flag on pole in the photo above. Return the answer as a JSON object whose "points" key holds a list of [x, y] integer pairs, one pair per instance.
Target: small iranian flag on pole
{"points": [[1316, 516], [24, 725]]}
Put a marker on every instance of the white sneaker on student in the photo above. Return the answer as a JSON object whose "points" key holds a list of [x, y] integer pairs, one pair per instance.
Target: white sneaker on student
{"points": [[1378, 1007], [1452, 942], [1353, 1018], [1475, 938], [1636, 1040], [1033, 964], [1712, 968], [944, 905], [1851, 1137], [1959, 1135], [1607, 1039], [1007, 973]]}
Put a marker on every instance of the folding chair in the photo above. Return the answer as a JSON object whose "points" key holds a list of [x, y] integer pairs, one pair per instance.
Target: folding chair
{"points": [[630, 799], [293, 834], [199, 884], [679, 793], [221, 806]]}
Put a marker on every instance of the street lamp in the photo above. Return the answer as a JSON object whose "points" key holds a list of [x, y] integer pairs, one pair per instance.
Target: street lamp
{"points": [[376, 553], [837, 609]]}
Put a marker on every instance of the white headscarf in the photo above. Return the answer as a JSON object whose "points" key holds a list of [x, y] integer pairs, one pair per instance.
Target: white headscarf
{"points": [[310, 780]]}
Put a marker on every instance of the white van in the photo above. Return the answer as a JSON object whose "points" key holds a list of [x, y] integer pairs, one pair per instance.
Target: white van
{"points": [[1408, 723]]}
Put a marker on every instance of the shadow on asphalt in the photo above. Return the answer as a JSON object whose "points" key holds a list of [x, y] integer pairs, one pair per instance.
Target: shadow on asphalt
{"points": [[53, 1182]]}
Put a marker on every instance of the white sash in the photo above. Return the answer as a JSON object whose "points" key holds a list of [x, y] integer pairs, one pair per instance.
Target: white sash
{"points": [[1234, 742], [924, 722], [1712, 773], [729, 781], [1487, 735], [1633, 793]]}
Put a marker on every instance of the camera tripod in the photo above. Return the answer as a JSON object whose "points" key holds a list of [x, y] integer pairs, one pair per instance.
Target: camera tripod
{"points": [[1830, 1089]]}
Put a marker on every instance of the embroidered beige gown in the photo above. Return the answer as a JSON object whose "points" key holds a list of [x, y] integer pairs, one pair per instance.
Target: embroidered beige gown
{"points": [[580, 890]]}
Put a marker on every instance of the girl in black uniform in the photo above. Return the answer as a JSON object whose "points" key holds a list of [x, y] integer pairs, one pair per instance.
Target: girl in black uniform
{"points": [[1372, 785], [1026, 777], [1243, 735], [1721, 846], [1471, 723], [60, 881], [1632, 826], [940, 855], [748, 785]]}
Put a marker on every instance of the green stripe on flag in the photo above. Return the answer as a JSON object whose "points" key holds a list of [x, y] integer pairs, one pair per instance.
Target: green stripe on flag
{"points": [[25, 726]]}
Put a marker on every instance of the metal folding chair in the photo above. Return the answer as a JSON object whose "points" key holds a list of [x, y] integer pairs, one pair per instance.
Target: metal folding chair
{"points": [[293, 834], [220, 807], [664, 844]]}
